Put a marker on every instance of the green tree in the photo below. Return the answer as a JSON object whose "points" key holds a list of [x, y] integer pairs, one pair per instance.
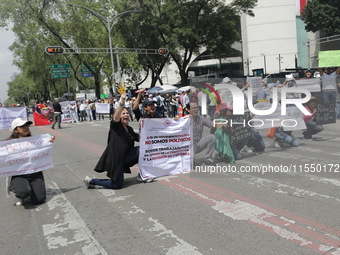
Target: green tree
{"points": [[69, 27], [322, 15], [185, 28]]}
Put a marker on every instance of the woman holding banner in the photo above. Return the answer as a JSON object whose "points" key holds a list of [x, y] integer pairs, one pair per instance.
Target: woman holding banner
{"points": [[120, 153], [27, 186]]}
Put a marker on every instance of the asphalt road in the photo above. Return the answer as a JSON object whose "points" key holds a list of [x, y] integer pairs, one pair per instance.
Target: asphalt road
{"points": [[296, 212]]}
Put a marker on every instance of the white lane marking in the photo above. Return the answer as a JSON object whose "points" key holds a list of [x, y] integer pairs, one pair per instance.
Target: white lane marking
{"points": [[327, 181], [239, 210], [181, 247], [70, 229], [329, 250], [287, 189], [307, 159], [166, 239]]}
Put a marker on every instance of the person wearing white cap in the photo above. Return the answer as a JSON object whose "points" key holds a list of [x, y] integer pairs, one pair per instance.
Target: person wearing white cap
{"points": [[27, 186]]}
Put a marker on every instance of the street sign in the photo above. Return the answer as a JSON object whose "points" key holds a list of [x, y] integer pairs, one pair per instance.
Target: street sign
{"points": [[54, 50], [85, 70], [87, 74], [163, 51], [60, 70], [61, 75], [61, 66]]}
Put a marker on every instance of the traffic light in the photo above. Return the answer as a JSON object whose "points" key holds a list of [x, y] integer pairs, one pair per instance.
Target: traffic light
{"points": [[163, 51], [54, 50]]}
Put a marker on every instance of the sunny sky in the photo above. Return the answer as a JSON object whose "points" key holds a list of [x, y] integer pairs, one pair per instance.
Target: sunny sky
{"points": [[6, 68]]}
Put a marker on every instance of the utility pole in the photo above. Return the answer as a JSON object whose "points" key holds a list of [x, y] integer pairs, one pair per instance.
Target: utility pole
{"points": [[108, 27], [265, 63], [279, 59], [248, 62]]}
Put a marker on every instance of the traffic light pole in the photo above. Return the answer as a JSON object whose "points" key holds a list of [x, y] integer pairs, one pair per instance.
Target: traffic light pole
{"points": [[161, 51]]}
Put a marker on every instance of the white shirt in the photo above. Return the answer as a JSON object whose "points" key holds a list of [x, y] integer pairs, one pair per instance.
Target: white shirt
{"points": [[199, 97], [82, 107], [186, 100]]}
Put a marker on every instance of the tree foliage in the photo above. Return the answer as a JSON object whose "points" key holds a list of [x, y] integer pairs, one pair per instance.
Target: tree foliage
{"points": [[185, 28], [322, 15]]}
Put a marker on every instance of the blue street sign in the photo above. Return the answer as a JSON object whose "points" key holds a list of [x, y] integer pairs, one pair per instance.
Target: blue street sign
{"points": [[87, 74]]}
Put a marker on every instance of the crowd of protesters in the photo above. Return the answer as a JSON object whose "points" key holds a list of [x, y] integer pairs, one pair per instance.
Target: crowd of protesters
{"points": [[218, 145]]}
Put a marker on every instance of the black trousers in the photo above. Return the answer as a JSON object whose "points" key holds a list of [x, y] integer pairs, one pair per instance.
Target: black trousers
{"points": [[32, 185]]}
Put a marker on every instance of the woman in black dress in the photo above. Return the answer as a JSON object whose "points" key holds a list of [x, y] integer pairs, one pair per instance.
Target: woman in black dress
{"points": [[120, 153]]}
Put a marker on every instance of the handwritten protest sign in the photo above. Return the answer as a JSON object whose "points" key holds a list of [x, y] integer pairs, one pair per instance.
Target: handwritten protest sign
{"points": [[165, 147], [7, 115], [256, 84], [325, 114], [329, 58], [65, 108], [240, 131], [102, 108], [294, 119], [25, 155]]}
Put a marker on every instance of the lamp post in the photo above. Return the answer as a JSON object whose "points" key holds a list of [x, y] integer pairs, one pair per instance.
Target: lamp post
{"points": [[279, 59], [248, 62], [108, 27], [265, 64]]}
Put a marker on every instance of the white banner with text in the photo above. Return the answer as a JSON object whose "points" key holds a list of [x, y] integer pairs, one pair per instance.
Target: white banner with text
{"points": [[7, 115], [165, 147], [25, 155]]}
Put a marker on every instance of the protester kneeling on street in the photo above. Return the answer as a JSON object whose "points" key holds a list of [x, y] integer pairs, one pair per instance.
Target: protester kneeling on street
{"points": [[287, 137], [120, 153], [312, 127], [26, 187]]}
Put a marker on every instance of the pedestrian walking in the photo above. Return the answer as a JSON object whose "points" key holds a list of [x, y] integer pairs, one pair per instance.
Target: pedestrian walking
{"points": [[57, 113]]}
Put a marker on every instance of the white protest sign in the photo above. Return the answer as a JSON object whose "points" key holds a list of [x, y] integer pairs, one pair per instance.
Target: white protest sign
{"points": [[293, 120], [65, 108], [225, 94], [7, 115], [80, 96], [313, 85], [165, 147], [25, 155], [102, 108], [295, 117], [256, 84]]}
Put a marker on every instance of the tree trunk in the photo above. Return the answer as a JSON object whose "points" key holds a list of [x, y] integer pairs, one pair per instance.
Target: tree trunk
{"points": [[97, 86]]}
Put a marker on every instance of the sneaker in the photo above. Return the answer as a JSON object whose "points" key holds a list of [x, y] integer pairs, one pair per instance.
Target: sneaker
{"points": [[209, 161], [19, 202], [52, 127], [87, 182], [246, 149], [139, 178], [147, 180], [278, 144]]}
